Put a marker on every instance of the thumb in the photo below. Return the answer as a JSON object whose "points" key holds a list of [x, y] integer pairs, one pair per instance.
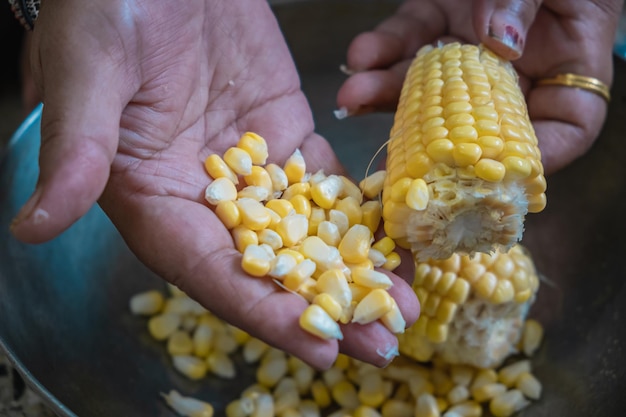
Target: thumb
{"points": [[79, 137], [502, 25]]}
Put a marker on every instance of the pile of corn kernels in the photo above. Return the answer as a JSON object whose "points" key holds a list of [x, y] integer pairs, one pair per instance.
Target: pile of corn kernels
{"points": [[201, 345]]}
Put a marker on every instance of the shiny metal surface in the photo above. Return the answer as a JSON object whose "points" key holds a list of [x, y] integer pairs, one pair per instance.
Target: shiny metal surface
{"points": [[64, 319]]}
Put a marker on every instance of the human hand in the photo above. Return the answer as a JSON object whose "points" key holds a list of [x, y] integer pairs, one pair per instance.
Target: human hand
{"points": [[556, 36], [136, 95]]}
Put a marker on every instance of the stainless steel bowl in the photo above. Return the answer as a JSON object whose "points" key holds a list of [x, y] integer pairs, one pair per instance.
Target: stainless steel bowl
{"points": [[64, 319]]}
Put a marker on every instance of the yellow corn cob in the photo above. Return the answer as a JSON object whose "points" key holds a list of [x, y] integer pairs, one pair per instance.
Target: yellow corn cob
{"points": [[473, 308], [463, 165]]}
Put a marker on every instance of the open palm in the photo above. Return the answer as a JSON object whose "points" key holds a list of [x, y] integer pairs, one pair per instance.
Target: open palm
{"points": [[136, 95]]}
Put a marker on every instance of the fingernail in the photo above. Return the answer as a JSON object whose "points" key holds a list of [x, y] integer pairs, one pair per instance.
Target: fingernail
{"points": [[388, 353], [508, 36], [344, 68], [28, 210], [344, 112]]}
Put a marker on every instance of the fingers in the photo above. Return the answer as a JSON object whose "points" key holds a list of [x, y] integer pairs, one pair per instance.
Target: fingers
{"points": [[502, 25], [78, 141], [183, 242], [567, 121], [79, 134], [367, 91]]}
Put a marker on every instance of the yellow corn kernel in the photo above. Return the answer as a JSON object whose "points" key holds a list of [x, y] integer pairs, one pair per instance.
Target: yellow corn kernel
{"points": [[146, 303], [426, 406], [507, 403], [220, 189], [202, 340], [298, 275], [253, 350], [365, 411], [376, 257], [255, 146], [301, 205], [355, 244], [295, 167], [529, 385], [188, 406], [256, 260], [485, 392], [329, 304], [345, 394], [281, 206], [270, 238], [271, 371], [241, 407], [371, 389], [259, 177], [217, 168], [458, 394], [372, 307], [298, 188], [339, 219], [220, 364], [393, 320], [372, 185], [163, 325], [320, 393], [334, 282], [490, 170], [317, 216], [280, 182], [190, 366], [281, 265], [325, 192], [317, 322], [329, 233], [352, 208], [509, 374], [385, 245], [293, 229], [532, 336], [484, 376], [253, 214], [228, 213], [417, 195], [371, 213], [179, 343], [392, 261], [370, 278], [238, 160], [466, 409], [243, 237]]}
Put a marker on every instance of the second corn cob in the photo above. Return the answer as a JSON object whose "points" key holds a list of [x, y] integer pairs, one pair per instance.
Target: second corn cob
{"points": [[463, 165]]}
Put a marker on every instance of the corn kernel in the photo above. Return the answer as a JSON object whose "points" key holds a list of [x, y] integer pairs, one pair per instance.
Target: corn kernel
{"points": [[317, 322], [217, 168], [372, 307], [188, 406], [295, 167], [190, 366], [146, 303], [255, 146], [220, 189], [238, 160], [355, 244], [372, 185]]}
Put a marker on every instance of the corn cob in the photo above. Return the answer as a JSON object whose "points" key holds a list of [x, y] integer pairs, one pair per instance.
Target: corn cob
{"points": [[463, 165], [473, 308]]}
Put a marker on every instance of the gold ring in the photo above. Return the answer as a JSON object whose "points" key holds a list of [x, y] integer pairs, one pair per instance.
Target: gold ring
{"points": [[579, 81]]}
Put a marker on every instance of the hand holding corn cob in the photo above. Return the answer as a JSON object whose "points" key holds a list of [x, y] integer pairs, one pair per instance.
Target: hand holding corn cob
{"points": [[567, 120]]}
